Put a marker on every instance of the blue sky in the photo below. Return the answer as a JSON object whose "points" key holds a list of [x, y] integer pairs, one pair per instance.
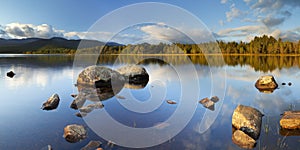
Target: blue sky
{"points": [[228, 19]]}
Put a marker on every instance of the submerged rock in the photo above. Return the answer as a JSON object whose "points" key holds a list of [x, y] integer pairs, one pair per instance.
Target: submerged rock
{"points": [[100, 77], [89, 108], [266, 84], [134, 74], [243, 140], [10, 74], [51, 103], [120, 97], [290, 120], [74, 133], [92, 145], [248, 120]]}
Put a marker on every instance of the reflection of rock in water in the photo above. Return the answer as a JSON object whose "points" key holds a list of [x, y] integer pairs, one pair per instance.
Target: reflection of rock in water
{"points": [[92, 145], [290, 120], [74, 133], [287, 132], [51, 103], [266, 84], [247, 121], [10, 74]]}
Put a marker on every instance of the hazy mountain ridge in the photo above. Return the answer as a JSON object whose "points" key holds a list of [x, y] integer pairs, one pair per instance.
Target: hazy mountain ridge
{"points": [[35, 44]]}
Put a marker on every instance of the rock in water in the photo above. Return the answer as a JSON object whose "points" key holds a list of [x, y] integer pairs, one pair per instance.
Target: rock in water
{"points": [[207, 103], [171, 102], [100, 77], [243, 140], [10, 74], [91, 145], [248, 120], [51, 103], [266, 83], [74, 133], [134, 74], [290, 120]]}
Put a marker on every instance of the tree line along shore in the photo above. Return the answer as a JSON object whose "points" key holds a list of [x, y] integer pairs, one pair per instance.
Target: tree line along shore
{"points": [[264, 45]]}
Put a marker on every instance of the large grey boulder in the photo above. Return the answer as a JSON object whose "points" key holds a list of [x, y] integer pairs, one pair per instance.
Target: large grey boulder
{"points": [[74, 133], [290, 120], [266, 83], [134, 74], [99, 77], [248, 120], [51, 103]]}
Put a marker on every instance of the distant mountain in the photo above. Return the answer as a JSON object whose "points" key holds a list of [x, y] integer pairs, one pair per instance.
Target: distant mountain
{"points": [[34, 44]]}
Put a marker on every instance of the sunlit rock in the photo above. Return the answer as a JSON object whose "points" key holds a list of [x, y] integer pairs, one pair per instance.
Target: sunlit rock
{"points": [[74, 133], [92, 145], [243, 140], [290, 120], [134, 74], [207, 103], [51, 103], [100, 77], [10, 74], [266, 84], [248, 120]]}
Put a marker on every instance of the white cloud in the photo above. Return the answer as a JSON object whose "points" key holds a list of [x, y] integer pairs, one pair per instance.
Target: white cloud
{"points": [[234, 13], [157, 32], [18, 31], [223, 1]]}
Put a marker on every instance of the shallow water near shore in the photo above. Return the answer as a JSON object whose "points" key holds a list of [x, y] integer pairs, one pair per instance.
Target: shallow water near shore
{"points": [[23, 125]]}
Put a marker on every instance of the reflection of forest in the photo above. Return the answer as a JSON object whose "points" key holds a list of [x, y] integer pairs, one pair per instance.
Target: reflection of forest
{"points": [[259, 63]]}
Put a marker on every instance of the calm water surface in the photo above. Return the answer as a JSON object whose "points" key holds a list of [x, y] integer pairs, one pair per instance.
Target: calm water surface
{"points": [[24, 125]]}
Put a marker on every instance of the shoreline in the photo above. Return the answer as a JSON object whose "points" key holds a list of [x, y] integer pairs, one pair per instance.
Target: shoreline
{"points": [[215, 54]]}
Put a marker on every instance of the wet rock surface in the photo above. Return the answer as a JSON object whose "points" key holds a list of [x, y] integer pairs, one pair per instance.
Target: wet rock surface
{"points": [[92, 145], [248, 120], [51, 103], [266, 84], [290, 120], [243, 140], [134, 74], [74, 133]]}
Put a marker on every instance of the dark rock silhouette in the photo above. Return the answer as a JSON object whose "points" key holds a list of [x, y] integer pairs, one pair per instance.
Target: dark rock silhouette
{"points": [[10, 74]]}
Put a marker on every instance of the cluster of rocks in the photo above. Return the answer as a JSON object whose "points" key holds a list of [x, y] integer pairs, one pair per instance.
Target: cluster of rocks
{"points": [[96, 83], [209, 103], [247, 125], [246, 121]]}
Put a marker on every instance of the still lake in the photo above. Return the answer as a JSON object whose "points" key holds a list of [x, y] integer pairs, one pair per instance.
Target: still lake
{"points": [[24, 125]]}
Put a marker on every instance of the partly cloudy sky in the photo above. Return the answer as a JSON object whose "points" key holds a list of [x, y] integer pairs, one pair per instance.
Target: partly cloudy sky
{"points": [[228, 20]]}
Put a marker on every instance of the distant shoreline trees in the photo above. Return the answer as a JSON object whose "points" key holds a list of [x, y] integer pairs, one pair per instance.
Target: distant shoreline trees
{"points": [[259, 45]]}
